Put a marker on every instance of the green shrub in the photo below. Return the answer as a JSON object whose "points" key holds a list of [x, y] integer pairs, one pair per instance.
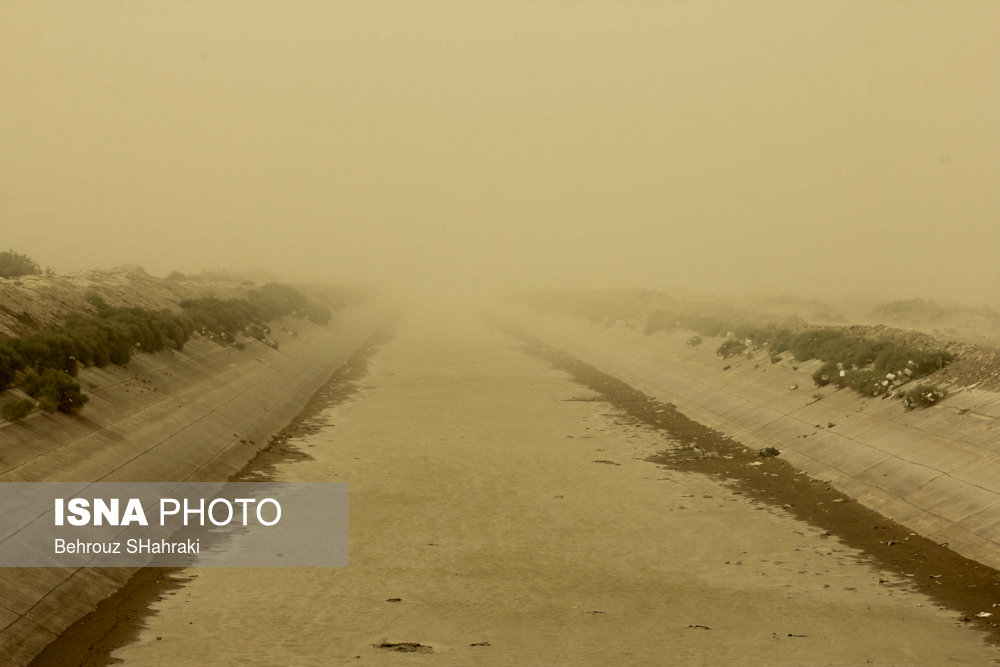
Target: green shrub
{"points": [[772, 336], [16, 409], [218, 315], [47, 349], [826, 374], [276, 300], [922, 396], [920, 363], [13, 264], [731, 348], [98, 302], [825, 344], [864, 381], [232, 316], [51, 357], [10, 363], [53, 390]]}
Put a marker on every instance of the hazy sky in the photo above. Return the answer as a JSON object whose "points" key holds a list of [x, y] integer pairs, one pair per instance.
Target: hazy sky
{"points": [[780, 146]]}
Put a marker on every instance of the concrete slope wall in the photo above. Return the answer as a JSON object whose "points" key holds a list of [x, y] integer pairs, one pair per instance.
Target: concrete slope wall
{"points": [[198, 414], [936, 470]]}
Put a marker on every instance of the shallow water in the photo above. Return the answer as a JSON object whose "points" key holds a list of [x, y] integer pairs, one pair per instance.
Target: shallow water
{"points": [[482, 498]]}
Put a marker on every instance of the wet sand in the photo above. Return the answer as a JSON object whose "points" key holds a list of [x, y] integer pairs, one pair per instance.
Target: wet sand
{"points": [[503, 514]]}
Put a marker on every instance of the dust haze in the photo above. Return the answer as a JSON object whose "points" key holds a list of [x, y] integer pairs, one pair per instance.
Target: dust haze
{"points": [[845, 148]]}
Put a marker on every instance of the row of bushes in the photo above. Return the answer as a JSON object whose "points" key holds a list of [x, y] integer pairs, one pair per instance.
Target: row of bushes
{"points": [[867, 366], [777, 334], [53, 390], [232, 316], [110, 337], [849, 360], [44, 363]]}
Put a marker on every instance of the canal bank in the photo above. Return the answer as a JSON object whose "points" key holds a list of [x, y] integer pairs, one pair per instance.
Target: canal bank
{"points": [[935, 470], [196, 414]]}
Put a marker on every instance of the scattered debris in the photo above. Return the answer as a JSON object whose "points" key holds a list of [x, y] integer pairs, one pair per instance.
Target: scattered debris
{"points": [[700, 627], [768, 452], [394, 599], [480, 644], [404, 647], [610, 463], [704, 454], [923, 395]]}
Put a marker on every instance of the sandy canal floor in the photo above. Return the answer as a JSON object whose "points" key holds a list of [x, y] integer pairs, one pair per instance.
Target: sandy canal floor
{"points": [[478, 500]]}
